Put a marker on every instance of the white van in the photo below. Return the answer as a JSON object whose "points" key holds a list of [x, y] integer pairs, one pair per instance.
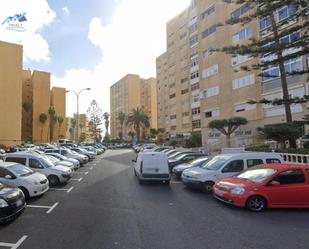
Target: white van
{"points": [[223, 166], [152, 166]]}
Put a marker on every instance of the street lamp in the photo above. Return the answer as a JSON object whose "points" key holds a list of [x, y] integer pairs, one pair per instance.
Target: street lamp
{"points": [[77, 111]]}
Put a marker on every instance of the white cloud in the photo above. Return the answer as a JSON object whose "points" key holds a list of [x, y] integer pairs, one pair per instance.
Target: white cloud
{"points": [[39, 15], [130, 44], [65, 9]]}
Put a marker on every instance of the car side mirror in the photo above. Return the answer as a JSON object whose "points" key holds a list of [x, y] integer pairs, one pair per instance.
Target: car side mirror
{"points": [[8, 177], [274, 183]]}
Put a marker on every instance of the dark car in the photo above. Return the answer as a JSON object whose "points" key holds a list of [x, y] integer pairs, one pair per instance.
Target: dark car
{"points": [[183, 158], [12, 202], [197, 162]]}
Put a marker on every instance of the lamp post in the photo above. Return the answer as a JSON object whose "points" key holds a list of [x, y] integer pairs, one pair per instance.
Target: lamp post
{"points": [[77, 109]]}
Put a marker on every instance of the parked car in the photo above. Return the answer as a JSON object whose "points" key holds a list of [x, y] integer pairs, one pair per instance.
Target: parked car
{"points": [[266, 186], [152, 166], [223, 166], [56, 161], [55, 174], [183, 158], [177, 154], [70, 154], [89, 154], [65, 159], [12, 202], [16, 175], [198, 162]]}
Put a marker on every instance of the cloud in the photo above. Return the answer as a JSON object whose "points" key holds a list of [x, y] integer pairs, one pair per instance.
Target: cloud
{"points": [[66, 10], [39, 15], [129, 44]]}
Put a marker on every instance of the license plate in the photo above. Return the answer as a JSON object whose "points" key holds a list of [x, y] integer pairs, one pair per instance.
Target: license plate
{"points": [[19, 203]]}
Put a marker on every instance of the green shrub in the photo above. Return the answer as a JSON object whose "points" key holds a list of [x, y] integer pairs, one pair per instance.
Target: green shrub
{"points": [[259, 148]]}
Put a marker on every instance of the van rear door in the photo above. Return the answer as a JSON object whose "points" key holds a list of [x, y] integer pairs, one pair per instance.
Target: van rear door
{"points": [[155, 164]]}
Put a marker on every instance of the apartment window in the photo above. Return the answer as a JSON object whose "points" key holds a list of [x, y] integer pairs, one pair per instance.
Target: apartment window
{"points": [[196, 98], [195, 86], [185, 114], [194, 60], [172, 85], [209, 31], [173, 128], [193, 28], [193, 41], [173, 117], [184, 91], [185, 126], [182, 36], [241, 11], [196, 124], [208, 12], [244, 81], [242, 35], [239, 59], [196, 111], [184, 80], [244, 107], [210, 71], [210, 92], [172, 96], [195, 75], [212, 113]]}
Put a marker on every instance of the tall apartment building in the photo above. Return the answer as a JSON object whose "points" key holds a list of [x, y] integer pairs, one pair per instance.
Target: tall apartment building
{"points": [[58, 101], [196, 85], [128, 93], [10, 93]]}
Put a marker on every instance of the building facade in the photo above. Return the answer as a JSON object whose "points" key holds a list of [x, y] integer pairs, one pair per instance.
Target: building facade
{"points": [[197, 85], [58, 101], [128, 93], [10, 93]]}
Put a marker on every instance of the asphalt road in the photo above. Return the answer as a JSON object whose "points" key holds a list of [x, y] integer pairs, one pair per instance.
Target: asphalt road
{"points": [[108, 209]]}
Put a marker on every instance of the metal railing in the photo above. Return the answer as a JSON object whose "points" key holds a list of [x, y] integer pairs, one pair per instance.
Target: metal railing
{"points": [[295, 158]]}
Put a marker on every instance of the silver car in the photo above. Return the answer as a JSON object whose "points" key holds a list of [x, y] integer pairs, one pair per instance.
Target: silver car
{"points": [[66, 159]]}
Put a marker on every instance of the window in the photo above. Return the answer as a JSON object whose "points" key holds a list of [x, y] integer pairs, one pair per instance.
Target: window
{"points": [[173, 116], [185, 114], [196, 111], [241, 11], [239, 59], [184, 91], [173, 128], [5, 172], [234, 167], [210, 71], [210, 92], [172, 85], [16, 160], [184, 80], [35, 164], [182, 36], [193, 41], [209, 31], [242, 35], [194, 60], [212, 113], [244, 81], [208, 11], [272, 160], [193, 28], [291, 177], [244, 107], [253, 162], [195, 86], [195, 75], [172, 95], [196, 124]]}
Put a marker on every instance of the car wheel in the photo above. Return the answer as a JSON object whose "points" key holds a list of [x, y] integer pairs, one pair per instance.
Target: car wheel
{"points": [[167, 182], [53, 180], [256, 203], [25, 192], [207, 187]]}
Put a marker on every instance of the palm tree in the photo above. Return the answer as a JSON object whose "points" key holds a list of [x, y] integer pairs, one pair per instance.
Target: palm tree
{"points": [[121, 118], [73, 125], [106, 118], [27, 107], [137, 119], [43, 117], [60, 122], [52, 114]]}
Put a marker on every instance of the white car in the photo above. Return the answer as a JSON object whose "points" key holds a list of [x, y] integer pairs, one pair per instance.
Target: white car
{"points": [[55, 174], [223, 166], [56, 161], [66, 159], [16, 175]]}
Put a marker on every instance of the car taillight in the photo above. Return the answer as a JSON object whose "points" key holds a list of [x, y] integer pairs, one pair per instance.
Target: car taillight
{"points": [[141, 168]]}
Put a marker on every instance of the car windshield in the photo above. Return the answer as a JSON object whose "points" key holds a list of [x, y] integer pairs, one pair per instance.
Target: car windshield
{"points": [[214, 164], [181, 156], [53, 159], [20, 170], [197, 161], [256, 175], [47, 162]]}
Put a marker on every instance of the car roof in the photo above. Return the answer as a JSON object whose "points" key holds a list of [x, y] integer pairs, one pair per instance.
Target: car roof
{"points": [[7, 164], [282, 167], [246, 154]]}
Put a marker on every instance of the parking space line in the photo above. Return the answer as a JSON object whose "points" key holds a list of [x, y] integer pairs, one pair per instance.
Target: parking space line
{"points": [[83, 173], [174, 182], [91, 168], [74, 179], [14, 246], [50, 208], [68, 190]]}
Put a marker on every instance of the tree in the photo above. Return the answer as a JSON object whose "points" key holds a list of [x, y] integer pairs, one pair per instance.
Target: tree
{"points": [[82, 137], [284, 43], [160, 135], [27, 107], [227, 126], [131, 134], [60, 121], [106, 122], [42, 118], [137, 119], [95, 115], [52, 116], [195, 140], [122, 118]]}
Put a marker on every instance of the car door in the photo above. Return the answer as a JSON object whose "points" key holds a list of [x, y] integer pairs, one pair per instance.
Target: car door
{"points": [[292, 191], [9, 182], [36, 165], [232, 168]]}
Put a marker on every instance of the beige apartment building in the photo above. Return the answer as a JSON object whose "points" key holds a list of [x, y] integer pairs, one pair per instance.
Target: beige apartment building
{"points": [[58, 101], [10, 93], [128, 93], [196, 85]]}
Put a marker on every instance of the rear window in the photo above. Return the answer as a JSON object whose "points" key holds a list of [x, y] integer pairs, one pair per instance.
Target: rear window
{"points": [[16, 160], [272, 160], [254, 162]]}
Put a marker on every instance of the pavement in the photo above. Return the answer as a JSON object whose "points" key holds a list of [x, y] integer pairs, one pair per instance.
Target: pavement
{"points": [[104, 207]]}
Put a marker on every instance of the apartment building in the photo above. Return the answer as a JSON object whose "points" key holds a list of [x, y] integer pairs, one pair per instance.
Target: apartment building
{"points": [[10, 93], [128, 93], [58, 101], [197, 85]]}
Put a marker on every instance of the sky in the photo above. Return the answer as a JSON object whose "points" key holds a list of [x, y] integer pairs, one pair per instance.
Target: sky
{"points": [[91, 43]]}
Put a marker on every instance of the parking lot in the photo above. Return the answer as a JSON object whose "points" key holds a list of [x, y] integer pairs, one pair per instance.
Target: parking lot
{"points": [[104, 207]]}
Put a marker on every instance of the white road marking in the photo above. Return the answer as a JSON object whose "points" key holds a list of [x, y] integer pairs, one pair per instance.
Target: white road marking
{"points": [[79, 180], [50, 208], [86, 173], [82, 173], [14, 246], [174, 182], [91, 168], [68, 190]]}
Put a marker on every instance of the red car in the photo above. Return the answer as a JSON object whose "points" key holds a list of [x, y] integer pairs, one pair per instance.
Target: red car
{"points": [[266, 186]]}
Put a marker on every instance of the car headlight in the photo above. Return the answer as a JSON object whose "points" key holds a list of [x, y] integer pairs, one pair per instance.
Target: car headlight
{"points": [[238, 191], [3, 203]]}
